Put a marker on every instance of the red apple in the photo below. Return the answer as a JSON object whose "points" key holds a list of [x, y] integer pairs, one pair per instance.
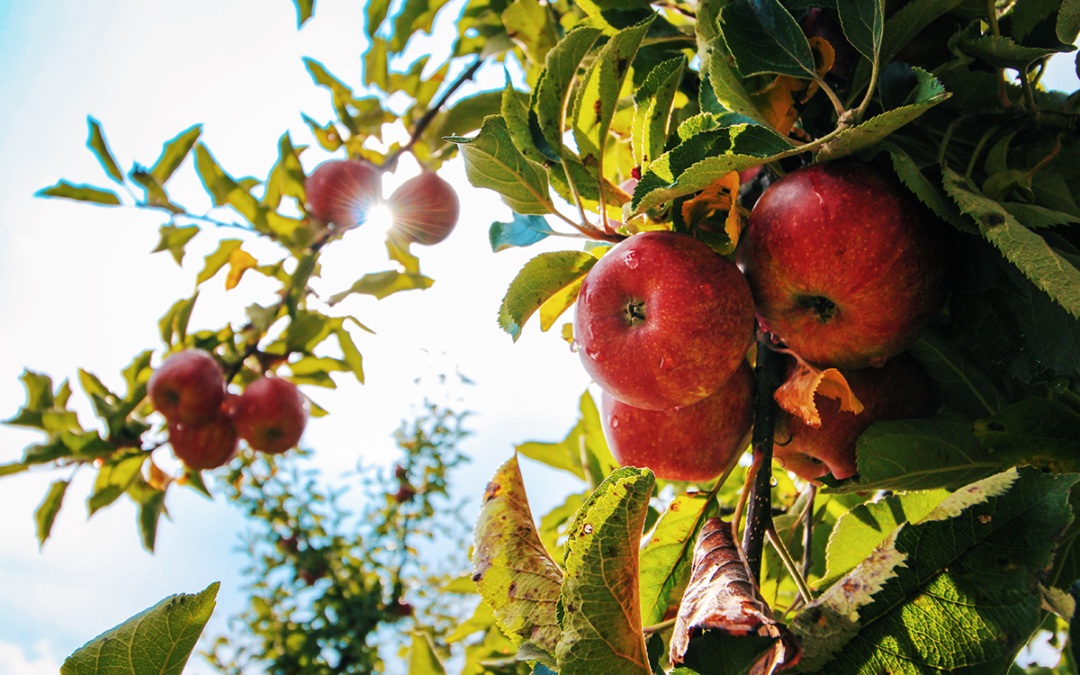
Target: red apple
{"points": [[424, 209], [188, 388], [697, 443], [899, 390], [662, 321], [342, 191], [846, 266], [205, 445], [270, 415]]}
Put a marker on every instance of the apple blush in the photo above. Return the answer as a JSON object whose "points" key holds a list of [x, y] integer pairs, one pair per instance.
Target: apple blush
{"points": [[662, 321], [424, 209], [343, 191], [205, 445], [845, 264], [188, 388], [270, 415]]}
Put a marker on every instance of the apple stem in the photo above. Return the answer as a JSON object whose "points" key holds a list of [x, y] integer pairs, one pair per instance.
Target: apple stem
{"points": [[789, 563]]}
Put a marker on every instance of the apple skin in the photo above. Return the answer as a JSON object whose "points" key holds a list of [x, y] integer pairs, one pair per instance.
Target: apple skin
{"points": [[342, 191], [846, 266], [424, 209], [270, 415], [898, 390], [697, 443], [206, 445], [188, 388], [662, 321]]}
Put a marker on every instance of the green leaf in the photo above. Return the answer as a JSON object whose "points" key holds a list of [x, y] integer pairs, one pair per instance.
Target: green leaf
{"points": [[96, 142], [415, 15], [921, 454], [531, 25], [481, 619], [382, 284], [173, 239], [1068, 22], [304, 11], [515, 112], [376, 14], [1002, 52], [173, 154], [514, 573], [540, 279], [599, 607], [859, 531], [80, 193], [1046, 268], [669, 554], [422, 657], [554, 524], [974, 562], [653, 103], [286, 179], [151, 503], [521, 231], [465, 116], [764, 38], [596, 99], [493, 161], [929, 192], [1035, 216], [47, 510], [720, 78], [350, 353], [175, 321], [217, 260], [158, 640], [863, 22], [113, 479], [13, 468], [560, 69], [376, 64], [328, 136], [964, 388], [1041, 432]]}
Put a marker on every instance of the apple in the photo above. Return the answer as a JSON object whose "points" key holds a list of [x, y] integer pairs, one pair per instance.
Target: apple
{"points": [[204, 445], [662, 320], [188, 388], [898, 390], [697, 443], [342, 191], [846, 266], [270, 415], [424, 209]]}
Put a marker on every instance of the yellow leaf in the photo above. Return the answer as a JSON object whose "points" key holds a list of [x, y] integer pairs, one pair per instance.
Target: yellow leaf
{"points": [[240, 261], [796, 395]]}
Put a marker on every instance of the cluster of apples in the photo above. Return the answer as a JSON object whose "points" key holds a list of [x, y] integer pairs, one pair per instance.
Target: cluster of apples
{"points": [[839, 263], [206, 422], [341, 192]]}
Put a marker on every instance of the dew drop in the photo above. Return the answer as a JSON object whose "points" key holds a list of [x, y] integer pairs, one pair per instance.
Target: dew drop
{"points": [[773, 482], [573, 346], [594, 354], [631, 260], [614, 422], [667, 363]]}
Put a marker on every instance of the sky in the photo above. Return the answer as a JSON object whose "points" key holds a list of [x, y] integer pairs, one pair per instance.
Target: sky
{"points": [[79, 288]]}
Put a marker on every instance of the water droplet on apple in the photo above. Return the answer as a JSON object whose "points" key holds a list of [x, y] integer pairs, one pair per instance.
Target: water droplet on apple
{"points": [[573, 346], [631, 260], [773, 482], [594, 354], [614, 422], [667, 363]]}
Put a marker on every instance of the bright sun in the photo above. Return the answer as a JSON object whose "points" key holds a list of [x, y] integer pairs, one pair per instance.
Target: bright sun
{"points": [[379, 217]]}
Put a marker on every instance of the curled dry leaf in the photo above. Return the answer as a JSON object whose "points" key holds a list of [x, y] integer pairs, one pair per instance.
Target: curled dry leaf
{"points": [[716, 206], [796, 395], [723, 596]]}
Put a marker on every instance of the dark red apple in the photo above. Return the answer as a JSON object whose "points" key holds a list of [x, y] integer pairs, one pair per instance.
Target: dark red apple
{"points": [[662, 321], [343, 191], [697, 443], [204, 445], [188, 388], [845, 264], [270, 415], [898, 390], [424, 209]]}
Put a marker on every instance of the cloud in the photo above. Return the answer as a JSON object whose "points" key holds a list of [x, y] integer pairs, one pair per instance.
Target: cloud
{"points": [[38, 661]]}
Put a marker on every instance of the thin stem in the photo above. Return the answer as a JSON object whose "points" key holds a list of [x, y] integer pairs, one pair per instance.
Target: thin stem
{"points": [[991, 17], [838, 105], [744, 495], [978, 150], [657, 627], [1029, 92], [875, 73], [785, 556], [808, 533]]}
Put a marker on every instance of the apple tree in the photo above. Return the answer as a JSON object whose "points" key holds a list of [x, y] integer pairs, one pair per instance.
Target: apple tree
{"points": [[897, 186]]}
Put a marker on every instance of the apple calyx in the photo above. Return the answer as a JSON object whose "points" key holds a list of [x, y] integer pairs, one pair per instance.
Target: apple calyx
{"points": [[635, 312], [821, 307]]}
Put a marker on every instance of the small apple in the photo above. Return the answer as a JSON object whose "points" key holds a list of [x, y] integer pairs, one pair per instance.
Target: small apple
{"points": [[697, 443], [188, 388], [662, 321], [270, 415], [342, 191], [898, 390], [424, 209], [846, 266], [204, 445]]}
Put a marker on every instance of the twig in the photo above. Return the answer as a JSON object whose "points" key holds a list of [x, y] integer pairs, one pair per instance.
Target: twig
{"points": [[808, 533], [785, 556], [657, 627]]}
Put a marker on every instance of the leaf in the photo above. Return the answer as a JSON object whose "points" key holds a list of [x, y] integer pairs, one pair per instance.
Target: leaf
{"points": [[964, 388], [718, 202], [416, 15], [929, 192], [1040, 432], [350, 353], [173, 239], [1035, 216], [973, 562], [328, 136], [304, 11], [908, 22], [554, 524], [537, 282], [175, 321], [514, 573], [173, 154], [521, 231], [859, 531], [560, 69], [863, 22], [113, 479], [531, 25], [80, 193], [668, 555], [584, 451], [599, 602], [1046, 268], [382, 284], [804, 382], [481, 619], [218, 259], [493, 161], [920, 454], [722, 596], [239, 262], [422, 657], [764, 38], [47, 510], [515, 112], [286, 178], [653, 103], [96, 142], [158, 640], [1003, 52], [150, 510]]}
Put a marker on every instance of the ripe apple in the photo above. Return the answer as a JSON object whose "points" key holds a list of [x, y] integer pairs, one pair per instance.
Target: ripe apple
{"points": [[342, 191], [424, 209], [204, 445], [846, 266], [662, 320], [697, 443], [898, 390], [188, 388], [270, 415]]}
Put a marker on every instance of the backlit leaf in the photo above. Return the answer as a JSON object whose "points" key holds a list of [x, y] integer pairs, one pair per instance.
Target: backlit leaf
{"points": [[113, 479], [493, 161], [218, 259], [304, 10], [173, 154], [239, 261], [667, 556], [1040, 432], [173, 239], [96, 142], [796, 394], [536, 283], [863, 22], [80, 193], [561, 67], [382, 284], [327, 136], [653, 103], [47, 510], [175, 321]]}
